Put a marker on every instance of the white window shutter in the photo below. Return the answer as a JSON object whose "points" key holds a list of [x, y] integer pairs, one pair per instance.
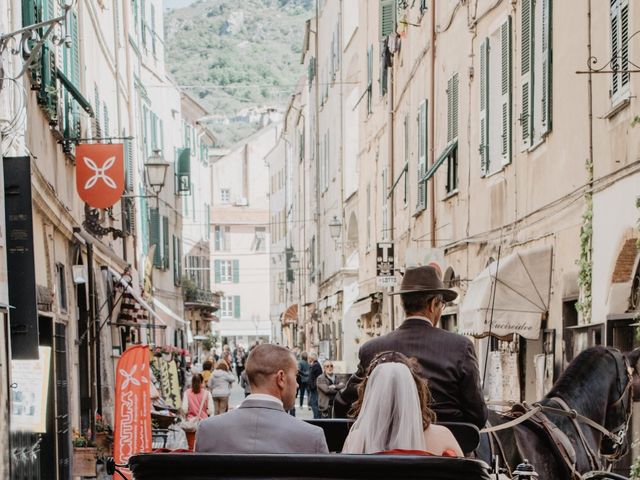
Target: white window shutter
{"points": [[505, 80], [484, 107], [526, 54], [546, 66]]}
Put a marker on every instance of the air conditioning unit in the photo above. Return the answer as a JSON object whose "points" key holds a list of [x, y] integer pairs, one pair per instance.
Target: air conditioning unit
{"points": [[242, 202]]}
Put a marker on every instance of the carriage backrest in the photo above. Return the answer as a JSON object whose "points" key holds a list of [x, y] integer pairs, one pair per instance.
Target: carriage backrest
{"points": [[337, 429], [200, 466]]}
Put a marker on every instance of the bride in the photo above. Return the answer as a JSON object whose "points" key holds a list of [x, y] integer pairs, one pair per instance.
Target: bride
{"points": [[393, 415]]}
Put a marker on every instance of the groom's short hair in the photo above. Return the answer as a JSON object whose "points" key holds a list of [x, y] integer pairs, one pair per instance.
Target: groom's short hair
{"points": [[266, 360]]}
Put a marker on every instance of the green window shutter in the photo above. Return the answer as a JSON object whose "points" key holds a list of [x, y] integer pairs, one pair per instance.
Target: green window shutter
{"points": [[387, 17], [153, 28], [143, 30], [74, 70], [180, 260], [183, 173], [216, 271], [454, 101], [526, 62], [236, 306], [218, 238], [546, 66], [449, 109], [166, 253], [207, 221], [484, 107], [30, 12], [176, 272], [422, 156], [155, 235], [236, 271], [106, 119], [384, 77], [505, 90]]}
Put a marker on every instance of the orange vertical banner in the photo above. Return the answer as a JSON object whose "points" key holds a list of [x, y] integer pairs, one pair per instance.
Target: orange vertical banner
{"points": [[132, 432]]}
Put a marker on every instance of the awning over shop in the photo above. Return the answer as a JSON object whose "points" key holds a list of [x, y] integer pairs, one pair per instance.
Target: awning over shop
{"points": [[509, 296], [360, 307], [291, 314], [130, 291]]}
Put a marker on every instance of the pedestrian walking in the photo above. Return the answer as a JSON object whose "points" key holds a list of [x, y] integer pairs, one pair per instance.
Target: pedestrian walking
{"points": [[239, 357], [207, 368], [315, 370], [220, 386], [244, 383], [327, 389], [197, 405], [303, 376]]}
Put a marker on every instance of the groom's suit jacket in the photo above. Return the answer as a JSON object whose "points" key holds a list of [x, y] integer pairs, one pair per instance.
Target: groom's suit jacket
{"points": [[259, 426], [447, 360]]}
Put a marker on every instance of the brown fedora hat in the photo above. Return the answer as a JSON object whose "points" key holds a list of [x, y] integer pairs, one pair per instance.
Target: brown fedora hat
{"points": [[424, 279]]}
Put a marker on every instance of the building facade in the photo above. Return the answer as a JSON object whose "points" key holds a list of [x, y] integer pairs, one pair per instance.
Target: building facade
{"points": [[484, 135], [241, 243]]}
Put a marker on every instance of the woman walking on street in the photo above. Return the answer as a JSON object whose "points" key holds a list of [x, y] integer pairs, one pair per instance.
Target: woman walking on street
{"points": [[303, 372], [196, 403], [220, 386]]}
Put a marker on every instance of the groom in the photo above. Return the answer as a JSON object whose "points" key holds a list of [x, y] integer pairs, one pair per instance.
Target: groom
{"points": [[447, 360]]}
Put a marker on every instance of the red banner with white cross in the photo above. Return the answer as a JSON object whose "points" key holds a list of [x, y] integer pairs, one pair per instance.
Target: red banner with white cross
{"points": [[100, 173]]}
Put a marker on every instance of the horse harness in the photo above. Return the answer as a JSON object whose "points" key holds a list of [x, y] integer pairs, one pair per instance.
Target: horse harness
{"points": [[535, 416]]}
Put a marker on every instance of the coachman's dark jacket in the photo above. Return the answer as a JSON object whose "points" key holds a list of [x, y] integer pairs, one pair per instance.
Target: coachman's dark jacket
{"points": [[447, 360]]}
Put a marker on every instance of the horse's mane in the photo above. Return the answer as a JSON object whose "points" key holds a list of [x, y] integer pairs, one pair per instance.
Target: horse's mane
{"points": [[586, 374]]}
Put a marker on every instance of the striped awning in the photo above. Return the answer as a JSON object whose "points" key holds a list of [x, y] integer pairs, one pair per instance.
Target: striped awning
{"points": [[291, 314]]}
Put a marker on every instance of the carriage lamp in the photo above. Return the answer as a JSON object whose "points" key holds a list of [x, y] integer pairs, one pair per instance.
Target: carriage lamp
{"points": [[156, 171], [524, 471]]}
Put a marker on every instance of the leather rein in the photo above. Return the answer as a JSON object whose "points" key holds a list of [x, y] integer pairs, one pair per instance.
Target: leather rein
{"points": [[617, 435]]}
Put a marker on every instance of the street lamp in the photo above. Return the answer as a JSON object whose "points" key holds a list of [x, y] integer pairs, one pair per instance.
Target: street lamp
{"points": [[335, 227], [156, 171]]}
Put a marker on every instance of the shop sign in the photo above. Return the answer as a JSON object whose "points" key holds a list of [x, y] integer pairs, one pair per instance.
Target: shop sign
{"points": [[385, 266], [100, 173], [132, 432], [29, 390]]}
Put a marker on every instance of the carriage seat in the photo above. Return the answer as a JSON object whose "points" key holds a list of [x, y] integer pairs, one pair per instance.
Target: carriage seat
{"points": [[336, 430], [201, 466]]}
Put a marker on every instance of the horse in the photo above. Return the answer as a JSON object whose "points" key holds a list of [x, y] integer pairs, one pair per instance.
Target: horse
{"points": [[590, 404]]}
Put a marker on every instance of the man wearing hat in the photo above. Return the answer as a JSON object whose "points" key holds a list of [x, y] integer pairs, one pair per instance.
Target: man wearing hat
{"points": [[447, 360]]}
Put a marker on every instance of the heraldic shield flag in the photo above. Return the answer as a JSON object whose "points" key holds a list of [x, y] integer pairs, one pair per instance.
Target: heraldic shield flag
{"points": [[132, 432], [100, 173]]}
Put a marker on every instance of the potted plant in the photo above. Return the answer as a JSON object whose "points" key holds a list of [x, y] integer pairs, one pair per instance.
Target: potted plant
{"points": [[104, 435], [84, 454]]}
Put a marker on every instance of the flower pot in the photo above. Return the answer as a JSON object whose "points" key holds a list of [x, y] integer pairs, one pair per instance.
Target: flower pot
{"points": [[103, 443], [84, 461]]}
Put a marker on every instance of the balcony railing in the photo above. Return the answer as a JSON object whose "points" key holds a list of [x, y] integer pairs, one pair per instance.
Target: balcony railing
{"points": [[202, 297]]}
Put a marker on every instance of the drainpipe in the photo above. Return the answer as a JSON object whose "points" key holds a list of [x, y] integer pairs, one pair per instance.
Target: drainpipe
{"points": [[432, 193], [392, 314], [317, 157]]}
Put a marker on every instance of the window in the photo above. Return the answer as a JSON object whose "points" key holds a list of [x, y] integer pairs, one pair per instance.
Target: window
{"points": [[226, 307], [535, 61], [495, 100], [452, 171], [153, 29], [260, 244], [226, 272], [225, 195], [183, 171], [61, 287], [177, 260], [221, 240], [406, 157], [385, 204], [421, 203], [619, 17]]}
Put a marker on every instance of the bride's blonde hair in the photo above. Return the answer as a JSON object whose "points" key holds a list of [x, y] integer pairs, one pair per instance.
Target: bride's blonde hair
{"points": [[428, 415]]}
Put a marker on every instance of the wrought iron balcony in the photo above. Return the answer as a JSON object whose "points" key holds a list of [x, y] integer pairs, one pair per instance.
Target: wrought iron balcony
{"points": [[200, 298]]}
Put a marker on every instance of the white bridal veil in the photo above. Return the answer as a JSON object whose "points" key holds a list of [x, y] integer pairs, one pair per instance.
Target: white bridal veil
{"points": [[390, 417]]}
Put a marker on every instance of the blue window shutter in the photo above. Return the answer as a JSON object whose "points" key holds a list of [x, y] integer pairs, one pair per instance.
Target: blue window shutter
{"points": [[216, 269], [236, 271], [236, 306]]}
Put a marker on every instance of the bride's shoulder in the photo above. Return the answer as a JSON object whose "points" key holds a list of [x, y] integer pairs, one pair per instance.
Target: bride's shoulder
{"points": [[440, 438]]}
